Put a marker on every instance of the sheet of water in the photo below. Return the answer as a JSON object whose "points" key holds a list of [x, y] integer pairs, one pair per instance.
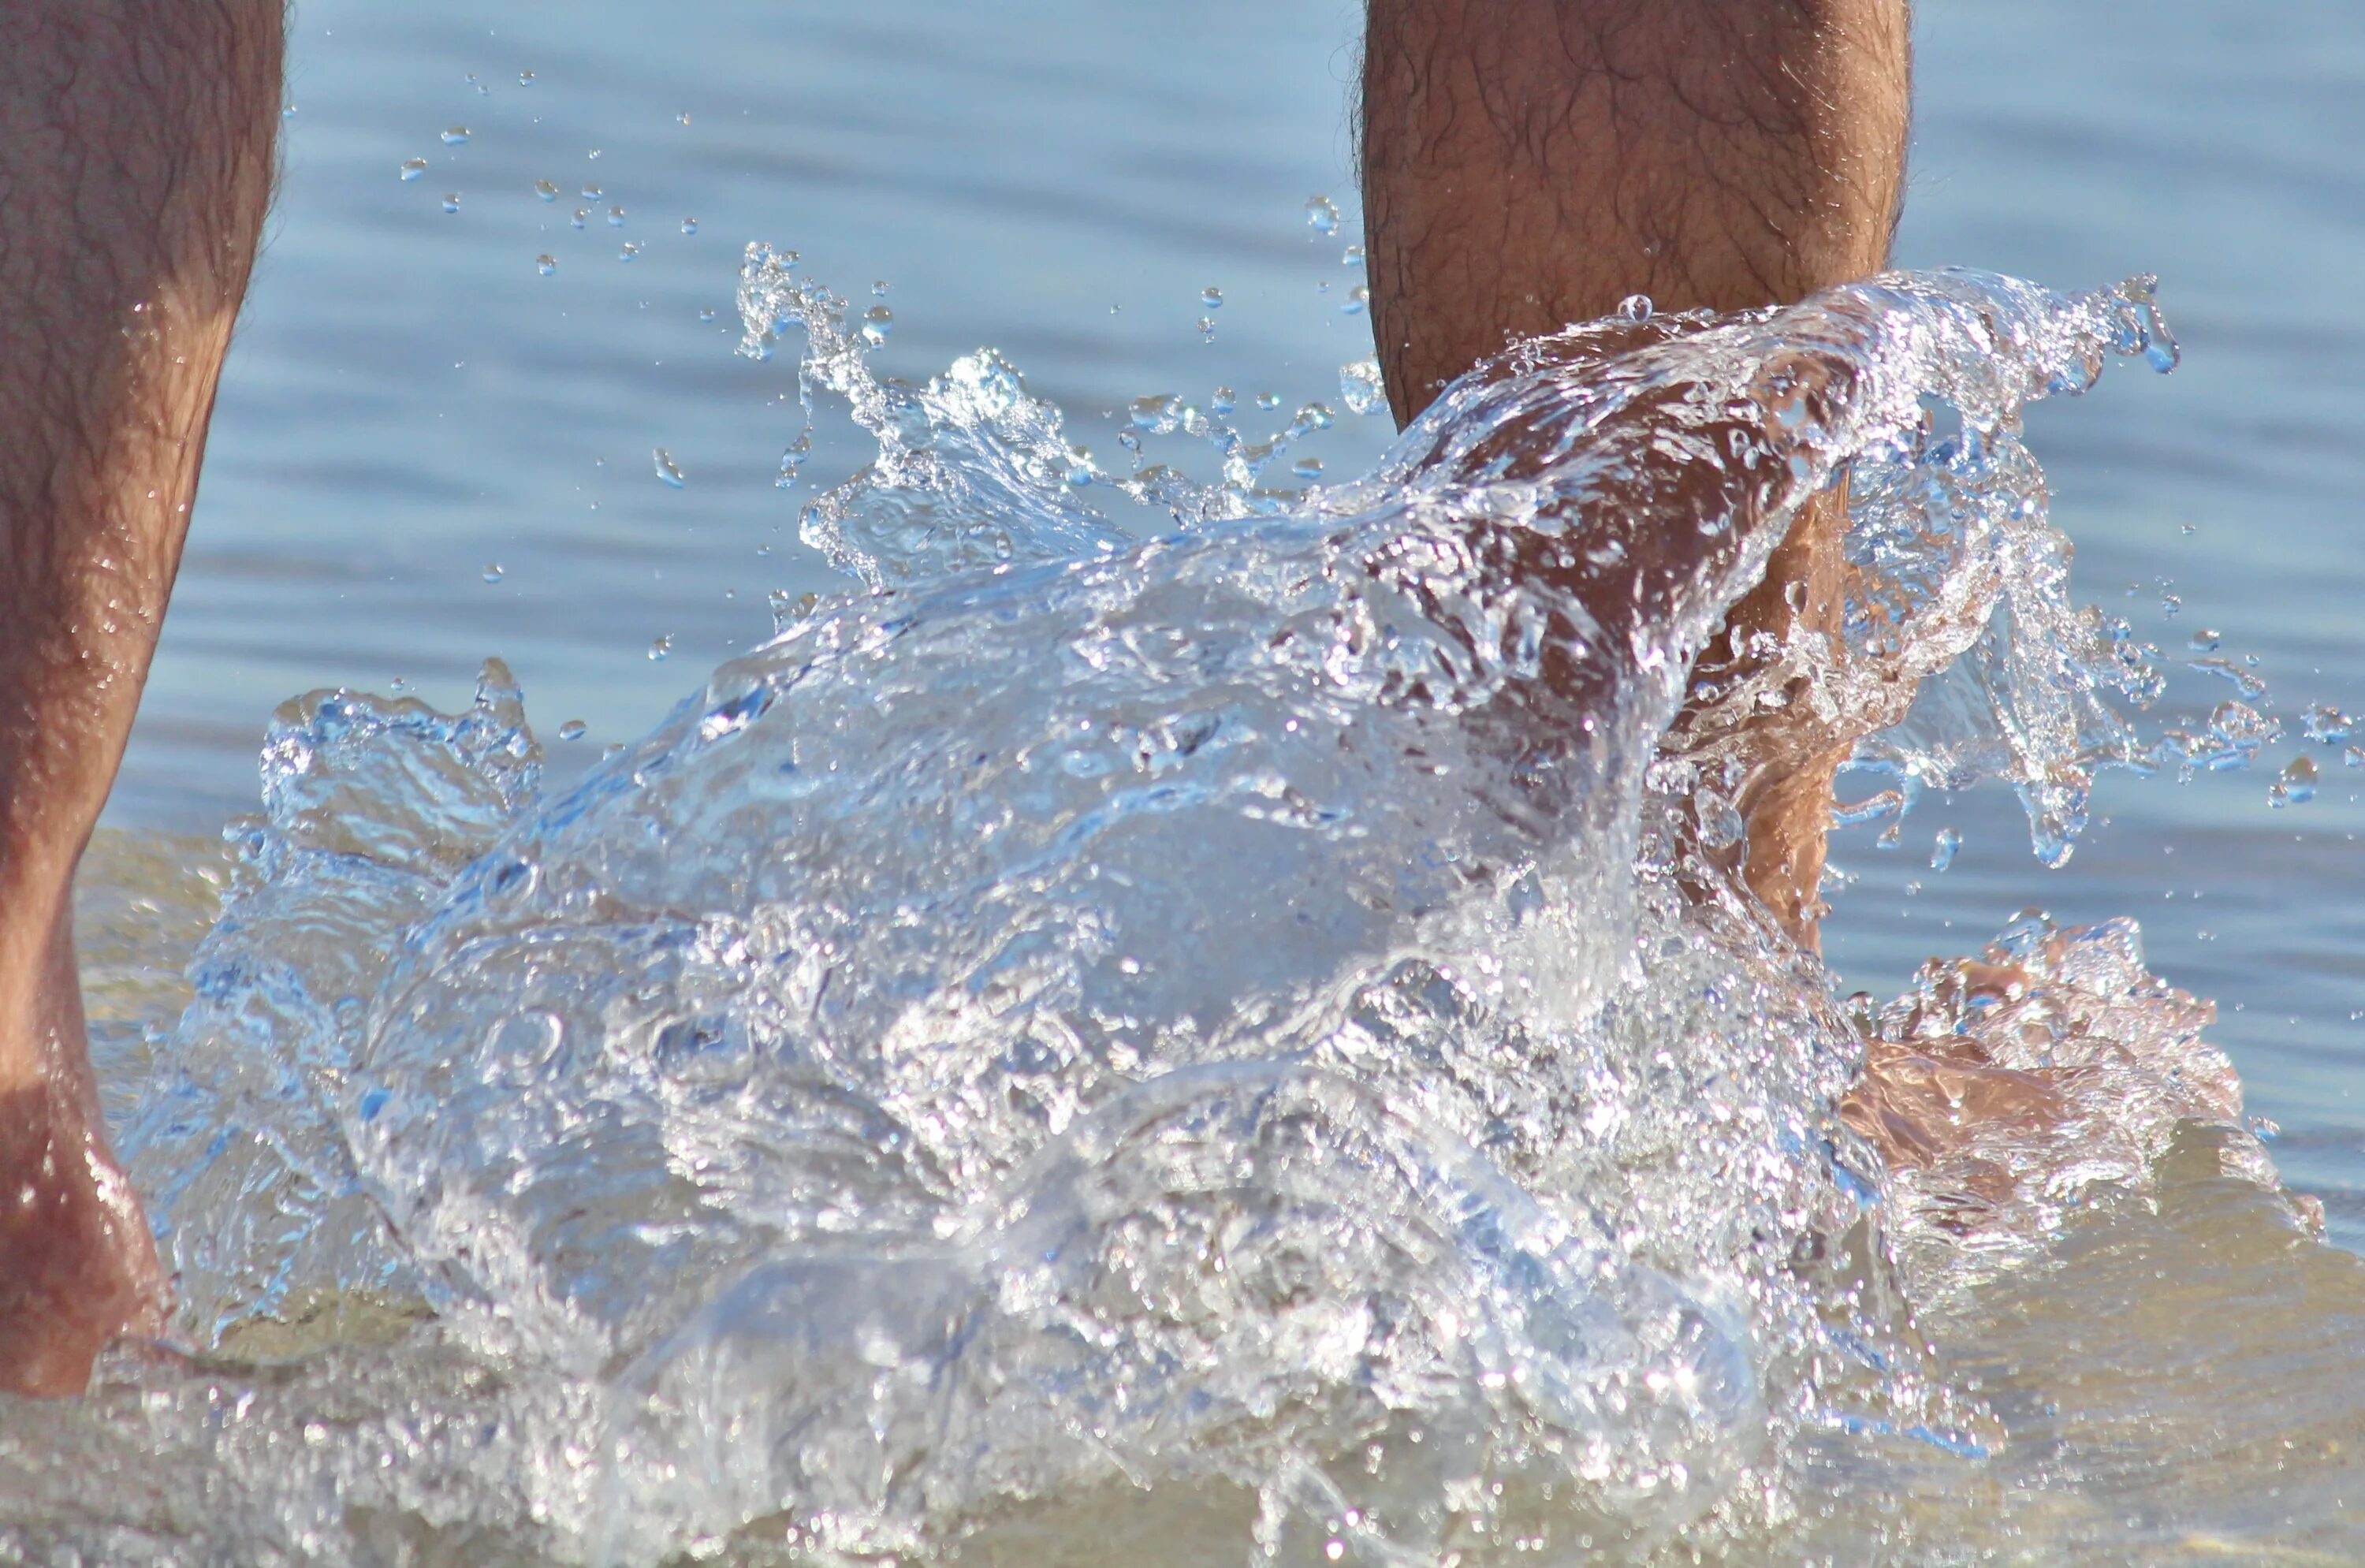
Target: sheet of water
{"points": [[1168, 143]]}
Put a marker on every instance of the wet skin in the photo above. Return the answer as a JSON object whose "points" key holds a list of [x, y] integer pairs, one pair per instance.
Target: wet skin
{"points": [[1527, 163]]}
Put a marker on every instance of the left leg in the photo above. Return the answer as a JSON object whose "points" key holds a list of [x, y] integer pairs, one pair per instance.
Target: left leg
{"points": [[136, 143]]}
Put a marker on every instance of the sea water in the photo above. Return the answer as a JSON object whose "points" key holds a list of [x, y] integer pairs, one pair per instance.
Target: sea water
{"points": [[1207, 1020]]}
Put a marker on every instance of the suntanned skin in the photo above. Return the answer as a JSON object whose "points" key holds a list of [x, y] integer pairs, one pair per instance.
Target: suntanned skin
{"points": [[1527, 164], [136, 163]]}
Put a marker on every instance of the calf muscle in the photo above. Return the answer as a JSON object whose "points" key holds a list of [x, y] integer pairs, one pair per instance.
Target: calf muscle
{"points": [[1527, 164], [136, 163]]}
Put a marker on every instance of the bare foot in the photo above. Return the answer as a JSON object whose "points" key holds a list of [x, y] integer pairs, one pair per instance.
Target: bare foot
{"points": [[78, 1267]]}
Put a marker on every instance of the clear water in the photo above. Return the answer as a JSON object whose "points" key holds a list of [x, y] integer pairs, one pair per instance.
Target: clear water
{"points": [[797, 1167]]}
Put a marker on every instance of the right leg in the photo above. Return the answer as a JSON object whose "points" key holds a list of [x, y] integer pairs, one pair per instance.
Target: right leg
{"points": [[1528, 164]]}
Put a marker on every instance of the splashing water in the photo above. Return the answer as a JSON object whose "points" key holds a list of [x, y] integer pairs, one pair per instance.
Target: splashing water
{"points": [[1216, 1025]]}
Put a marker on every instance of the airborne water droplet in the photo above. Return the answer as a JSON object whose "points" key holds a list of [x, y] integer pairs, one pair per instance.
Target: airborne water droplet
{"points": [[1636, 308], [546, 190], [1322, 215], [689, 226], [1361, 389], [1207, 327], [1212, 299], [545, 265], [660, 648], [573, 730], [580, 214], [1357, 298], [452, 202], [1223, 401], [1268, 402], [876, 322], [2297, 784], [615, 218], [1351, 257], [632, 248], [456, 136], [667, 470], [1943, 848], [493, 571], [2205, 641], [412, 168], [1307, 468], [2328, 724], [525, 78]]}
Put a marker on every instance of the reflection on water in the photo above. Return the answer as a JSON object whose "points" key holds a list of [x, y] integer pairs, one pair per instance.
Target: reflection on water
{"points": [[1213, 1025]]}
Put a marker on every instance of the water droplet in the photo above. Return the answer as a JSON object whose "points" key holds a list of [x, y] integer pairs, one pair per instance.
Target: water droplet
{"points": [[2297, 784], [876, 322], [1268, 402], [2206, 640], [592, 193], [1943, 848], [632, 248], [545, 265], [682, 118], [1636, 308], [787, 608], [2328, 724], [1223, 401], [580, 214], [1890, 837], [707, 314], [525, 78], [689, 226], [2169, 604], [2189, 529], [1361, 389], [615, 218], [667, 469], [493, 571], [879, 289], [456, 136], [451, 201], [2354, 757], [1206, 327], [1721, 826], [1307, 468], [412, 168], [1322, 215], [660, 648], [287, 111], [1212, 299], [546, 190], [1358, 298], [1353, 256], [573, 730], [1315, 416]]}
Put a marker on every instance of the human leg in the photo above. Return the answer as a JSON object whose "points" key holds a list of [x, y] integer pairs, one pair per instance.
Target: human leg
{"points": [[136, 163], [1527, 164]]}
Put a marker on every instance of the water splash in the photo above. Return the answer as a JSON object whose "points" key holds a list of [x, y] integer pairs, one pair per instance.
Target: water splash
{"points": [[1244, 1010]]}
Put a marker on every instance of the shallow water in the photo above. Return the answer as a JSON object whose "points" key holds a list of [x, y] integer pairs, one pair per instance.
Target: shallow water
{"points": [[2138, 1352]]}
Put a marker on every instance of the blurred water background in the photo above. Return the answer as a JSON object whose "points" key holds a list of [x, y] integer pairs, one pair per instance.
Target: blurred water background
{"points": [[429, 449]]}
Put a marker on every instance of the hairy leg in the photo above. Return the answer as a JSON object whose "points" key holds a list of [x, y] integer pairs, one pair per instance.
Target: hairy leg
{"points": [[136, 163], [1527, 164]]}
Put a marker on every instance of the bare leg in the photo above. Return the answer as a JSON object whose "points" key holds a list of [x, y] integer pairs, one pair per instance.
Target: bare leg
{"points": [[1527, 164], [135, 167]]}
